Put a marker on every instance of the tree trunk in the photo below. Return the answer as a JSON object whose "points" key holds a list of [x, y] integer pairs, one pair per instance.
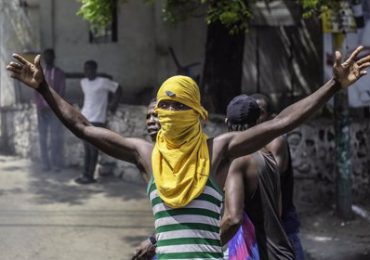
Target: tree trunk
{"points": [[222, 72]]}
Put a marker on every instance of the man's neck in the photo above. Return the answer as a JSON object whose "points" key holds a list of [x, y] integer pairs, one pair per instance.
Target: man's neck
{"points": [[49, 67]]}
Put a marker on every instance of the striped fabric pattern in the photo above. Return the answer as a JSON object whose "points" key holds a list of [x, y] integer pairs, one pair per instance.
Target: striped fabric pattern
{"points": [[191, 232]]}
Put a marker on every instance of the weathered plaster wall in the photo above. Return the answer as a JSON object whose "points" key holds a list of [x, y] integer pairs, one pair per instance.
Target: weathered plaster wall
{"points": [[313, 150], [312, 146], [139, 60], [17, 34]]}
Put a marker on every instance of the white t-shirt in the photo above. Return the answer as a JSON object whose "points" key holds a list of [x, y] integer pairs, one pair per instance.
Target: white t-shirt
{"points": [[96, 98]]}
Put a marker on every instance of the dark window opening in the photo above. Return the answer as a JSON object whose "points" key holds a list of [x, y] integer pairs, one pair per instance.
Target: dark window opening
{"points": [[108, 34]]}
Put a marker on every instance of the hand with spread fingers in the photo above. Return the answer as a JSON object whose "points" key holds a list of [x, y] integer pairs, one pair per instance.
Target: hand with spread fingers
{"points": [[26, 72], [351, 70]]}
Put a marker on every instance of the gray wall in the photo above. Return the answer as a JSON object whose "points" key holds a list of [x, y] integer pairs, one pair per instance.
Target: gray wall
{"points": [[17, 34], [139, 59], [312, 146], [282, 54]]}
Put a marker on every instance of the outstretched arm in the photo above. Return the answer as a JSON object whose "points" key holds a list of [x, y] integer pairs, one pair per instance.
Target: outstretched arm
{"points": [[236, 144], [127, 149]]}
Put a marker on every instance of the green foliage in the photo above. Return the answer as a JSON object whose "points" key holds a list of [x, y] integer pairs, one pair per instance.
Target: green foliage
{"points": [[97, 12], [234, 14], [178, 10], [313, 7]]}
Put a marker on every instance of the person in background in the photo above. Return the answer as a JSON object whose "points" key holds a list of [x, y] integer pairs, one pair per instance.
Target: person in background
{"points": [[146, 249], [48, 123], [152, 121], [96, 92], [279, 147], [252, 194]]}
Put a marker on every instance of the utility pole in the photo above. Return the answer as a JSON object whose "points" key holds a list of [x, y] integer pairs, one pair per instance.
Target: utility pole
{"points": [[338, 21], [343, 145]]}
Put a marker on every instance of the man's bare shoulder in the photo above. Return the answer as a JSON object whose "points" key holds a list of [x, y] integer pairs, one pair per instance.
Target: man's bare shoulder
{"points": [[223, 138], [246, 166], [218, 145], [278, 145], [278, 141], [243, 163]]}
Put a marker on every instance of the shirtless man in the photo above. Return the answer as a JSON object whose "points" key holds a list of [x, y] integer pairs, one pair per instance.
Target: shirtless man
{"points": [[186, 201]]}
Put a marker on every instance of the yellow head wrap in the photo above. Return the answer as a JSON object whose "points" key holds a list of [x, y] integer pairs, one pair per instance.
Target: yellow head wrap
{"points": [[180, 158]]}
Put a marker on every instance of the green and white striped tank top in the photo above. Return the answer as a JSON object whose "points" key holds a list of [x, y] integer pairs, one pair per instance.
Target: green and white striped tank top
{"points": [[191, 232]]}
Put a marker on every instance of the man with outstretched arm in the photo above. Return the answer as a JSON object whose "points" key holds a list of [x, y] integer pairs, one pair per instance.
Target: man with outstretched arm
{"points": [[279, 147], [184, 162], [252, 194]]}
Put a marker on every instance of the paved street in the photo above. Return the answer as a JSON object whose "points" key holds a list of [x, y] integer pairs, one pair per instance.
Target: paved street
{"points": [[48, 216]]}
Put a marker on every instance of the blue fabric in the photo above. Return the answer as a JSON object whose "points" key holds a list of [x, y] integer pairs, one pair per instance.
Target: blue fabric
{"points": [[297, 246], [290, 221]]}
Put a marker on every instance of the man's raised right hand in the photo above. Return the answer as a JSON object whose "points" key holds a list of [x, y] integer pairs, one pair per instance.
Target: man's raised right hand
{"points": [[26, 72]]}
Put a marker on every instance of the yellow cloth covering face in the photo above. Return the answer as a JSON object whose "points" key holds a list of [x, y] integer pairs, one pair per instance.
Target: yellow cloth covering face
{"points": [[180, 158]]}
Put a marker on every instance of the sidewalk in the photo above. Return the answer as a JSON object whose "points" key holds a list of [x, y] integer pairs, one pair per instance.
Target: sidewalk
{"points": [[326, 237], [48, 216]]}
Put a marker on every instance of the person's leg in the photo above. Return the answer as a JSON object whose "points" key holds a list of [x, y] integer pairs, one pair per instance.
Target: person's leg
{"points": [[84, 178], [56, 143], [42, 120], [92, 162], [91, 158], [297, 246], [86, 158]]}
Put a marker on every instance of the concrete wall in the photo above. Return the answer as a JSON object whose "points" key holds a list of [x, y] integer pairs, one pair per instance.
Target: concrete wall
{"points": [[288, 68], [21, 136], [17, 34], [139, 60], [312, 147], [313, 150]]}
